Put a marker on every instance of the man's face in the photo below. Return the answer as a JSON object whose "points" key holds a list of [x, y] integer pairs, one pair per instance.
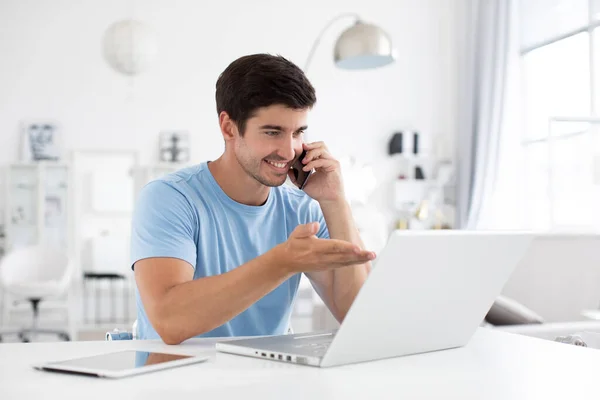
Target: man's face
{"points": [[271, 143]]}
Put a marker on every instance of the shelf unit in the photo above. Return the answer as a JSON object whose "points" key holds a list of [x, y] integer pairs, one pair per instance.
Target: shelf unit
{"points": [[38, 201], [435, 192], [37, 210]]}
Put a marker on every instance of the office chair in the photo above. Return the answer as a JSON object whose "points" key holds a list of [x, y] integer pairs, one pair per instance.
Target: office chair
{"points": [[36, 273]]}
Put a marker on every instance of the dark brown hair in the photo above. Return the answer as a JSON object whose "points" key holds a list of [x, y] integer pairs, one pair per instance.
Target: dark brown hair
{"points": [[261, 80]]}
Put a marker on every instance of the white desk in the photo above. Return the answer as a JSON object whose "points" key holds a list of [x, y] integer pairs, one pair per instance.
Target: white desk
{"points": [[495, 365], [591, 314]]}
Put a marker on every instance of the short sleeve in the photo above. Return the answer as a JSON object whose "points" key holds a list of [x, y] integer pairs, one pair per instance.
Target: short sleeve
{"points": [[317, 215], [163, 225]]}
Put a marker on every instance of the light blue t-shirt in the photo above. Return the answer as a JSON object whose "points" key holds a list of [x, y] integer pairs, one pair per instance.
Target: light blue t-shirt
{"points": [[187, 215]]}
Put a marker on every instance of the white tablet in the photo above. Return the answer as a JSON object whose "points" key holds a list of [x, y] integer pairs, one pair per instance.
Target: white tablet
{"points": [[120, 364]]}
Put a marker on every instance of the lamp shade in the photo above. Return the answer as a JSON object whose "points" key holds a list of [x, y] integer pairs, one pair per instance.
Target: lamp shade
{"points": [[363, 46], [129, 47]]}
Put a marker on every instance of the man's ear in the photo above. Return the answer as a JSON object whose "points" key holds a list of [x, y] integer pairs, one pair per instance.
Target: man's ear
{"points": [[229, 128]]}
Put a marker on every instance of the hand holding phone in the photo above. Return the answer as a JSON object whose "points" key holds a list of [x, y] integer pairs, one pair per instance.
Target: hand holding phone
{"points": [[300, 175]]}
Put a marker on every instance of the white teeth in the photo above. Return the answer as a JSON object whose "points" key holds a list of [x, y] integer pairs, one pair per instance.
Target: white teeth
{"points": [[278, 165]]}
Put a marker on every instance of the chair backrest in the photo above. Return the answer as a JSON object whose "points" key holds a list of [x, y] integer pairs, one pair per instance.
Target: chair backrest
{"points": [[38, 263]]}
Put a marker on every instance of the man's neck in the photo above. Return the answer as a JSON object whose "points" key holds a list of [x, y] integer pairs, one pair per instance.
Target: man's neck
{"points": [[236, 183]]}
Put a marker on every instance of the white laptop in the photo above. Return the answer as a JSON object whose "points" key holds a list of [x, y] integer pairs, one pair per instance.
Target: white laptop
{"points": [[428, 291]]}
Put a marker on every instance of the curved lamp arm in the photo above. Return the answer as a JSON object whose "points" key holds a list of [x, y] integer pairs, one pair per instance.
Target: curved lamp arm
{"points": [[318, 39]]}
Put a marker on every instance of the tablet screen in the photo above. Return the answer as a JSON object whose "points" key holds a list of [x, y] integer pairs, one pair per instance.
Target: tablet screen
{"points": [[120, 361]]}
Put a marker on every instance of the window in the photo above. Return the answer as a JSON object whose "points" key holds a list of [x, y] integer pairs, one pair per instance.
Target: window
{"points": [[561, 139]]}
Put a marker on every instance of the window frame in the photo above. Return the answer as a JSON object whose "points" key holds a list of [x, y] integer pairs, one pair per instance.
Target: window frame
{"points": [[593, 31]]}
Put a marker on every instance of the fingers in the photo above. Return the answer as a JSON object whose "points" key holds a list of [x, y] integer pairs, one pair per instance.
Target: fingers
{"points": [[343, 260], [305, 230], [317, 153], [339, 252], [334, 246], [340, 263], [314, 145], [318, 156], [328, 165]]}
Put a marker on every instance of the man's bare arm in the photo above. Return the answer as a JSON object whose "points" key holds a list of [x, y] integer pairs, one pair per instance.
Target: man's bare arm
{"points": [[180, 307]]}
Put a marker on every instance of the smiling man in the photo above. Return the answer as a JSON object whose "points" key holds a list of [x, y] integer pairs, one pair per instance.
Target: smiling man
{"points": [[218, 248]]}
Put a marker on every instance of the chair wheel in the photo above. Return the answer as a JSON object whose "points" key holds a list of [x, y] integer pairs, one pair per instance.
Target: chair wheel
{"points": [[25, 340], [65, 337], [0, 338]]}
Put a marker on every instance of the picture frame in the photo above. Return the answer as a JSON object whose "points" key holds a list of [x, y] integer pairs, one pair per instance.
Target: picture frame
{"points": [[174, 146], [40, 141]]}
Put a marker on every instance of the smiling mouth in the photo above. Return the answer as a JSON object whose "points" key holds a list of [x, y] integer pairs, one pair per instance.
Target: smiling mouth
{"points": [[282, 166]]}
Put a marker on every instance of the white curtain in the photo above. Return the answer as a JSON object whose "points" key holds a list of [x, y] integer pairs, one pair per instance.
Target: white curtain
{"points": [[491, 45]]}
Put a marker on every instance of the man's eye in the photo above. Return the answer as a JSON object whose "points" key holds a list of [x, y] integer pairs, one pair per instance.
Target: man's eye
{"points": [[298, 133], [272, 133]]}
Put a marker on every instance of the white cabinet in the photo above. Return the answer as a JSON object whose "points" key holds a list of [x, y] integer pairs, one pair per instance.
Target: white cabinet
{"points": [[408, 193], [37, 204]]}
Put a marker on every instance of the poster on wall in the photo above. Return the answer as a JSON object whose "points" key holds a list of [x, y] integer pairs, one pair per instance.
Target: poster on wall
{"points": [[174, 146], [40, 141]]}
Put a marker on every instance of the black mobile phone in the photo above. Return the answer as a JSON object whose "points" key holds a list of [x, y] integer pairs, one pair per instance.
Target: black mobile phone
{"points": [[300, 175]]}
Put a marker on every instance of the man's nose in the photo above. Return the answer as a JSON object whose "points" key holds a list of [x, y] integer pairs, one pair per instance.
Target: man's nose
{"points": [[288, 150]]}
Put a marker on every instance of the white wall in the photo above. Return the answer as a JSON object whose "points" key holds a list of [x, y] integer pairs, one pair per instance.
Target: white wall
{"points": [[51, 67], [559, 277]]}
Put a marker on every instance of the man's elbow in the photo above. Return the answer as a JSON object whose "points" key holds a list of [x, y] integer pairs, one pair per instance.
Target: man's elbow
{"points": [[171, 341], [168, 333], [173, 332], [169, 329], [171, 338]]}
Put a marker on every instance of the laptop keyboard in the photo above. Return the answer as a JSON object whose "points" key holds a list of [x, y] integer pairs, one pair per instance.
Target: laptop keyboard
{"points": [[315, 348]]}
